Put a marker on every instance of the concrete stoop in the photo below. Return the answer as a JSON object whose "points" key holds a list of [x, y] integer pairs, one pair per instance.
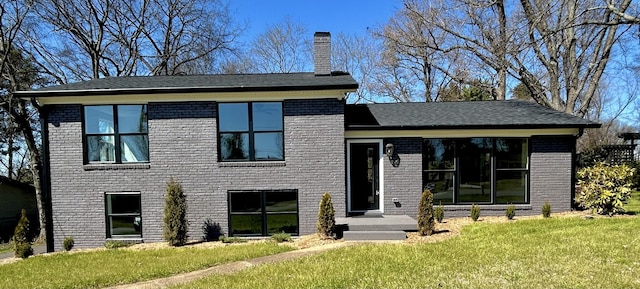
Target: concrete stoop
{"points": [[375, 228]]}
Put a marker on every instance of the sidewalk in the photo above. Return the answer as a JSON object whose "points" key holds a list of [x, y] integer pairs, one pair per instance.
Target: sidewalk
{"points": [[230, 268]]}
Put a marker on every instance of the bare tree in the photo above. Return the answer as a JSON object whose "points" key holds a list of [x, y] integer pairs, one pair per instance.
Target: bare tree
{"points": [[88, 39], [283, 47], [558, 49], [19, 73], [358, 56], [451, 42], [412, 66]]}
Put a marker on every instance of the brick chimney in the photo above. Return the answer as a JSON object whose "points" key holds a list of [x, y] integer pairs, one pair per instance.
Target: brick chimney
{"points": [[322, 53]]}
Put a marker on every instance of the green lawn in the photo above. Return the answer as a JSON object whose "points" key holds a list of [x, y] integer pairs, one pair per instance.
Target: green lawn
{"points": [[633, 204], [541, 253], [111, 267]]}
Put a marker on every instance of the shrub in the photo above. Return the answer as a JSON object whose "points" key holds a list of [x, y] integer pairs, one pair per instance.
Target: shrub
{"points": [[21, 239], [281, 237], [475, 212], [211, 230], [546, 210], [326, 217], [68, 243], [224, 239], [511, 212], [604, 188], [439, 213], [425, 214], [115, 244], [175, 215]]}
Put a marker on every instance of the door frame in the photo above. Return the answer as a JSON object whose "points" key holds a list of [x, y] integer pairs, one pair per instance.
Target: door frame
{"points": [[380, 174]]}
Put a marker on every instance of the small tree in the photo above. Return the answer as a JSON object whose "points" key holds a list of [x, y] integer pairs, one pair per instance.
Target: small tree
{"points": [[511, 212], [475, 212], [546, 210], [326, 217], [604, 188], [426, 223], [175, 215], [21, 239]]}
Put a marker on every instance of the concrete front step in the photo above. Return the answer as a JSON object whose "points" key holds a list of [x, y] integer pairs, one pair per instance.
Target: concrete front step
{"points": [[373, 235]]}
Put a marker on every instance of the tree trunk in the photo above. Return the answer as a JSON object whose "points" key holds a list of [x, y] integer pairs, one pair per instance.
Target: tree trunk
{"points": [[20, 116]]}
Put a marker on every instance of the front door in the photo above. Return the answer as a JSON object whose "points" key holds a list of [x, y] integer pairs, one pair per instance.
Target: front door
{"points": [[364, 176]]}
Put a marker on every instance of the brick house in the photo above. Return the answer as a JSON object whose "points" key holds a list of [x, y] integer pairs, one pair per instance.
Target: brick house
{"points": [[254, 153]]}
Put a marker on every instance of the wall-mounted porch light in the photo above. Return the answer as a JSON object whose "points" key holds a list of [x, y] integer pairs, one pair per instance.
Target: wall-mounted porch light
{"points": [[389, 150]]}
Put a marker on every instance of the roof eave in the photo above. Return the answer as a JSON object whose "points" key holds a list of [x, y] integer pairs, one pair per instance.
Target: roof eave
{"points": [[90, 92], [466, 127]]}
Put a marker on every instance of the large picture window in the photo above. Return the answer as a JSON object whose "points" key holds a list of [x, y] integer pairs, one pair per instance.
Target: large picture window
{"points": [[250, 131], [476, 170], [263, 213], [123, 215], [116, 133]]}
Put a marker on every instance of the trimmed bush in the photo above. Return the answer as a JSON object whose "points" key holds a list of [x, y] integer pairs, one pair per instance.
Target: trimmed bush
{"points": [[604, 188], [211, 231], [21, 239], [175, 215], [68, 243], [511, 212], [326, 217], [439, 213], [426, 225], [281, 237], [546, 210], [115, 244], [475, 212], [224, 239]]}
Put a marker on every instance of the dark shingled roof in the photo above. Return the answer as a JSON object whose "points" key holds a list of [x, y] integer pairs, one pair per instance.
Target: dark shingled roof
{"points": [[459, 115], [199, 83]]}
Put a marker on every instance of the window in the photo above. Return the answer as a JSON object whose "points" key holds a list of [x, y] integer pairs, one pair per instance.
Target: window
{"points": [[116, 134], [439, 169], [263, 213], [123, 215], [250, 131], [476, 170]]}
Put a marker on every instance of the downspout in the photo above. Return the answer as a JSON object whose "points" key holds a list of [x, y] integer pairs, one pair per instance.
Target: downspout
{"points": [[45, 181]]}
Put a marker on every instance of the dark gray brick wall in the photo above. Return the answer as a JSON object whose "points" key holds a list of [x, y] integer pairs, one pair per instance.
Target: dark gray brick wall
{"points": [[551, 162], [550, 178], [403, 181], [182, 145]]}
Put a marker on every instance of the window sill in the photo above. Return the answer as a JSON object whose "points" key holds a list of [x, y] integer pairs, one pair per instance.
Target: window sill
{"points": [[252, 164], [104, 167], [131, 240]]}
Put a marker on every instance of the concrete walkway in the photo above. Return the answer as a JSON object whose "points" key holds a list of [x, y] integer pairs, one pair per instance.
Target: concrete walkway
{"points": [[230, 268]]}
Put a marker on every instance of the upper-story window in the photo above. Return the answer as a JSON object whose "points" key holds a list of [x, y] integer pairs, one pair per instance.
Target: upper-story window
{"points": [[250, 131], [116, 133]]}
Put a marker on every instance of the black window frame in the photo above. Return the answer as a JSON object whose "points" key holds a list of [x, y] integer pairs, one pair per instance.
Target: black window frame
{"points": [[108, 216], [493, 168], [263, 212], [250, 132], [116, 135]]}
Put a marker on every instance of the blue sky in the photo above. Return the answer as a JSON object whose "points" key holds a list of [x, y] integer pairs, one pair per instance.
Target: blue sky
{"points": [[346, 16]]}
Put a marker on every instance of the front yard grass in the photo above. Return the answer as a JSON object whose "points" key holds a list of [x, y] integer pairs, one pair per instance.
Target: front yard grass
{"points": [[121, 266], [537, 253], [632, 206]]}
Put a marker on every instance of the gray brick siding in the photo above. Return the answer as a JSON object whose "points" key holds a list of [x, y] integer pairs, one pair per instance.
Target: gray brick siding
{"points": [[182, 145], [550, 178]]}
